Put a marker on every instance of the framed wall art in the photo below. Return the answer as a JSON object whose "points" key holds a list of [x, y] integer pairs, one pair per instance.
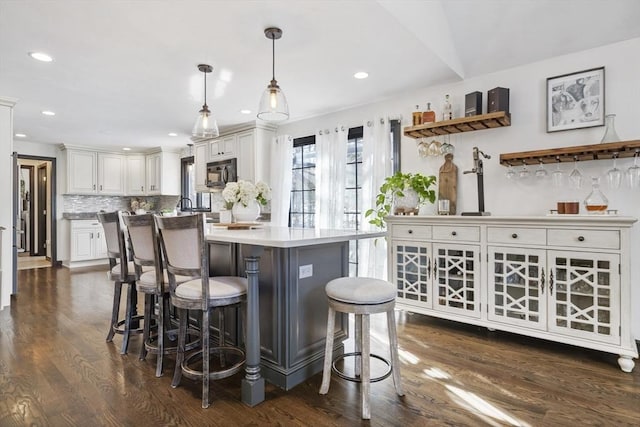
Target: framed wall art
{"points": [[575, 100]]}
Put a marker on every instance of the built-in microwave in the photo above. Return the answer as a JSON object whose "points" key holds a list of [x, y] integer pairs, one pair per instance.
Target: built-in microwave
{"points": [[221, 172]]}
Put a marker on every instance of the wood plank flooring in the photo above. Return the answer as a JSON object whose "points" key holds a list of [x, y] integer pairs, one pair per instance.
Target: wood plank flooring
{"points": [[57, 370]]}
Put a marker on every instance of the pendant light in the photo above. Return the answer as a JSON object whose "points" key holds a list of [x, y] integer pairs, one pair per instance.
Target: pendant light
{"points": [[206, 125], [273, 104]]}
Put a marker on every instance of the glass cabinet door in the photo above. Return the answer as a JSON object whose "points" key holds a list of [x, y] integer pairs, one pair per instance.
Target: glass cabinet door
{"points": [[412, 265], [516, 286], [456, 279], [584, 295]]}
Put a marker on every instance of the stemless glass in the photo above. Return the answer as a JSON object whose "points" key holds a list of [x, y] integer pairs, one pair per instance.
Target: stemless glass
{"points": [[541, 172], [557, 175], [575, 177], [633, 173], [614, 175]]}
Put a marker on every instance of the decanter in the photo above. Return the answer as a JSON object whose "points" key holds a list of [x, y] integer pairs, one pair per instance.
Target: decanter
{"points": [[447, 109], [610, 134], [596, 202], [429, 115]]}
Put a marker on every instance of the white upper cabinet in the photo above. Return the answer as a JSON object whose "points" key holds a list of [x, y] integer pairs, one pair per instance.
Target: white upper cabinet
{"points": [[200, 158], [163, 174], [89, 172], [82, 167], [111, 174], [223, 148], [136, 175]]}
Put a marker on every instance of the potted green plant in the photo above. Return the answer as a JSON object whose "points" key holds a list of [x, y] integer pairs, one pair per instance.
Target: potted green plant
{"points": [[398, 186]]}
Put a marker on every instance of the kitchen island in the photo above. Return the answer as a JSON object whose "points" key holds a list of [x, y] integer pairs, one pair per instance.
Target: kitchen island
{"points": [[287, 270]]}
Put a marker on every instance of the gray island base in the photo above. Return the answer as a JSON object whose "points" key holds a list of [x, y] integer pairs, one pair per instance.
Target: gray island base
{"points": [[287, 309]]}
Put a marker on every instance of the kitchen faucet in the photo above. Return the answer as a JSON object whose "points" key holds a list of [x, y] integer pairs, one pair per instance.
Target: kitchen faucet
{"points": [[179, 205], [479, 171]]}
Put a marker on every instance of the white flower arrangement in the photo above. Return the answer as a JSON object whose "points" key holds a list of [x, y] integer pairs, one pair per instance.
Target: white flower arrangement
{"points": [[244, 191]]}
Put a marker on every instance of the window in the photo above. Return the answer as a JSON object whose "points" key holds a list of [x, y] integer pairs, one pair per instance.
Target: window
{"points": [[188, 185], [353, 193], [303, 188]]}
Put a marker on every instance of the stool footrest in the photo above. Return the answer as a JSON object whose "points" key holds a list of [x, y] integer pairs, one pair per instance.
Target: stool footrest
{"points": [[193, 373], [344, 376]]}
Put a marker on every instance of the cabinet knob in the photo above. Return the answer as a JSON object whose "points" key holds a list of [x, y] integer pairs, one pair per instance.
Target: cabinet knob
{"points": [[580, 238], [142, 188], [101, 187], [410, 231], [454, 233], [514, 236]]}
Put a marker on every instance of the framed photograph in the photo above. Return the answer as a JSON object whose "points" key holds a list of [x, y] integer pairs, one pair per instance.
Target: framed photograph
{"points": [[575, 100]]}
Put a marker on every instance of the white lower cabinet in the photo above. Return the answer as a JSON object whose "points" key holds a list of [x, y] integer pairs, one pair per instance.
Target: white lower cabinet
{"points": [[554, 278], [87, 241]]}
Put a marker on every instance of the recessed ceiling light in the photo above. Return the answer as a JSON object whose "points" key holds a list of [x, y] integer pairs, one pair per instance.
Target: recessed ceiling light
{"points": [[127, 149], [361, 75], [40, 56], [48, 113], [245, 111], [172, 134], [21, 135]]}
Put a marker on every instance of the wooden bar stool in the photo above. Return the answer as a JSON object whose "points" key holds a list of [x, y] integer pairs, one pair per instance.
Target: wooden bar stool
{"points": [[121, 271], [186, 253], [361, 296]]}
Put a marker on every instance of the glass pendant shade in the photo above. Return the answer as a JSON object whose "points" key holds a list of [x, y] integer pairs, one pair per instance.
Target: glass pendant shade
{"points": [[273, 104], [206, 125]]}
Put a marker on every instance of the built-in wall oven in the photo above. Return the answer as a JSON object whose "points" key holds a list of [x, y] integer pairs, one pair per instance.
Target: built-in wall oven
{"points": [[221, 172]]}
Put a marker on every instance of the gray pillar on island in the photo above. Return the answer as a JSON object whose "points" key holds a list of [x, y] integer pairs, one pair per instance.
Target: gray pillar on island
{"points": [[253, 383]]}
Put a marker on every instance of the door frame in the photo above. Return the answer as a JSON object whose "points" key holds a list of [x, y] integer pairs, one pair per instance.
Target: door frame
{"points": [[52, 184], [42, 195], [31, 242]]}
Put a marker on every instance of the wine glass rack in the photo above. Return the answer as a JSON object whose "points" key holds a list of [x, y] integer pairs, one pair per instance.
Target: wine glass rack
{"points": [[608, 150]]}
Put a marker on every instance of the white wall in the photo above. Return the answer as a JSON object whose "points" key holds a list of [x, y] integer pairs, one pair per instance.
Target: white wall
{"points": [[6, 199], [527, 86]]}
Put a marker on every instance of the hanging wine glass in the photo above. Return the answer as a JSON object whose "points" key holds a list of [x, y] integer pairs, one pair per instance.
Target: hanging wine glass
{"points": [[541, 172], [524, 173], [575, 177], [510, 173], [558, 175], [633, 173], [614, 175]]}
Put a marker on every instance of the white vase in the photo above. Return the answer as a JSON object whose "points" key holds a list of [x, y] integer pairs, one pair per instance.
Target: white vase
{"points": [[248, 213]]}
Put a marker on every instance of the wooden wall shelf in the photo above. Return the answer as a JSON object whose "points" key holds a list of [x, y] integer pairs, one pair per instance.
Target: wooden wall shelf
{"points": [[568, 154], [463, 124]]}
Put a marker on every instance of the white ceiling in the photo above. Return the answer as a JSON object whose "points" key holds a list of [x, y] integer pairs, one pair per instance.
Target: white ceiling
{"points": [[124, 72]]}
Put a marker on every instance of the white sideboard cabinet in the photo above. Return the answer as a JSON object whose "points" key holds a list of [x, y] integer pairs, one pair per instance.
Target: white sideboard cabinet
{"points": [[561, 278]]}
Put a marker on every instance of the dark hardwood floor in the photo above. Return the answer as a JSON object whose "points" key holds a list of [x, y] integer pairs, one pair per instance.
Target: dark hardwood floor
{"points": [[57, 370]]}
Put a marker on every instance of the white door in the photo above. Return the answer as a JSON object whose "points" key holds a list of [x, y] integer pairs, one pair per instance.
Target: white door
{"points": [[456, 279], [412, 272]]}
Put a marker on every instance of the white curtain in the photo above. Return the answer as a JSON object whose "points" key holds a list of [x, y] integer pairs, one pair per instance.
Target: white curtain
{"points": [[376, 166], [281, 164], [331, 159]]}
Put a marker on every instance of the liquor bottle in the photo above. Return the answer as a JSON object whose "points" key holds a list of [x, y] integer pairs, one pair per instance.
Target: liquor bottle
{"points": [[417, 116], [447, 109], [429, 115]]}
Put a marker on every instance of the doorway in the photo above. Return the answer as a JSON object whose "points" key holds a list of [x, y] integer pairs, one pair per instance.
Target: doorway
{"points": [[35, 224]]}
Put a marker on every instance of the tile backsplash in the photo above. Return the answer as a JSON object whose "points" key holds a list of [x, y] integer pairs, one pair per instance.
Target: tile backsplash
{"points": [[83, 203]]}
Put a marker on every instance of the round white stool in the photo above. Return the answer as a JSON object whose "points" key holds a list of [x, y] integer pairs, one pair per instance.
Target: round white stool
{"points": [[361, 296]]}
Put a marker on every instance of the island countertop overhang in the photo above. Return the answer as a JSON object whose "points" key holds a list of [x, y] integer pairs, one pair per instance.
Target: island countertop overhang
{"points": [[285, 237]]}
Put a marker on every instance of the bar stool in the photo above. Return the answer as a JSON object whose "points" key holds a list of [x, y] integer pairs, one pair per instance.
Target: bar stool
{"points": [[151, 279], [361, 296], [121, 271], [186, 253]]}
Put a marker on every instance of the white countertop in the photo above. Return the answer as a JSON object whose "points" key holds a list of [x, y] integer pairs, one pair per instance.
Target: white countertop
{"points": [[284, 237], [546, 220]]}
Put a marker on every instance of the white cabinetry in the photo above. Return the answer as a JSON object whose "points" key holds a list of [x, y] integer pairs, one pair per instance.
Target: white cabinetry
{"points": [[163, 173], [87, 241], [136, 175], [564, 279], [90, 172], [200, 159], [223, 148]]}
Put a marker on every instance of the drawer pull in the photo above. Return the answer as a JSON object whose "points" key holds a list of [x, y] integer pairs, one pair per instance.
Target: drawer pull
{"points": [[580, 238], [410, 231], [453, 233], [514, 236]]}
